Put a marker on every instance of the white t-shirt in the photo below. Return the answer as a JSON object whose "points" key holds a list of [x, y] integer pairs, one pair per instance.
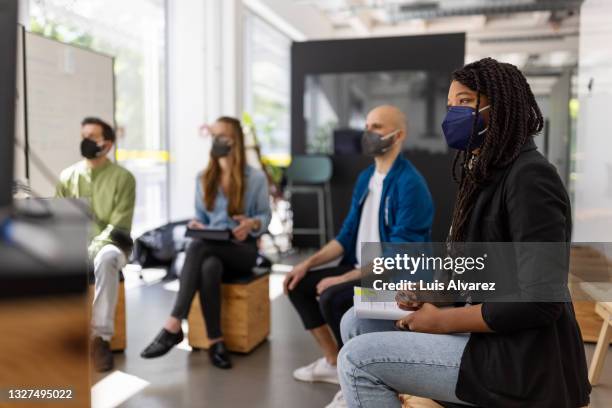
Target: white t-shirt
{"points": [[368, 223]]}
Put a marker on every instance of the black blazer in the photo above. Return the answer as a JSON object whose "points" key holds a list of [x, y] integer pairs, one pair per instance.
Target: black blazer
{"points": [[536, 356]]}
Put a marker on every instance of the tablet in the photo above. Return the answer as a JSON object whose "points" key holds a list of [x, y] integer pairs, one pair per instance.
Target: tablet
{"points": [[210, 234]]}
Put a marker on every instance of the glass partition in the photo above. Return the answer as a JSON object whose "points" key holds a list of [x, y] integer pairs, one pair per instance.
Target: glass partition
{"points": [[336, 106]]}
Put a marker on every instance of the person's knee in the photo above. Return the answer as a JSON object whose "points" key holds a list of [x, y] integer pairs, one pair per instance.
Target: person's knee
{"points": [[348, 325], [326, 302], [354, 353], [297, 295], [294, 296], [212, 270], [109, 259], [344, 363], [196, 247]]}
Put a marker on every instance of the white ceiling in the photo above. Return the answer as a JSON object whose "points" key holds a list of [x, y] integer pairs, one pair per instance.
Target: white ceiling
{"points": [[490, 27], [539, 36]]}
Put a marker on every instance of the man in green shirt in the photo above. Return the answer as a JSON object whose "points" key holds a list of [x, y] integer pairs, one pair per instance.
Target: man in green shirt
{"points": [[111, 192]]}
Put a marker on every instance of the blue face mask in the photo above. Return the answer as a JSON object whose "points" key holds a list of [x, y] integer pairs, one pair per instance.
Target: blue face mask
{"points": [[457, 127]]}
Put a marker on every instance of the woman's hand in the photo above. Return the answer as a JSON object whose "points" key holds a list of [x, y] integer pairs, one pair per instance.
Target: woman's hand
{"points": [[427, 319], [413, 300], [408, 300], [244, 227], [195, 224]]}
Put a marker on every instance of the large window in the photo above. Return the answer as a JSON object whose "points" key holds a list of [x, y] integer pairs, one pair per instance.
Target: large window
{"points": [[134, 33], [267, 86]]}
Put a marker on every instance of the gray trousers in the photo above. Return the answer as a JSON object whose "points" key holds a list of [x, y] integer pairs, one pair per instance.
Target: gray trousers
{"points": [[107, 265]]}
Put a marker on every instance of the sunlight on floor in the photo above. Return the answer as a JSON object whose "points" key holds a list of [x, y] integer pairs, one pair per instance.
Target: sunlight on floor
{"points": [[276, 285], [184, 345], [172, 286], [150, 276], [281, 268], [116, 388]]}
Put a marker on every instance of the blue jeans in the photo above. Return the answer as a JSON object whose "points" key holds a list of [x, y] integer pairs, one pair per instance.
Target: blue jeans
{"points": [[378, 362]]}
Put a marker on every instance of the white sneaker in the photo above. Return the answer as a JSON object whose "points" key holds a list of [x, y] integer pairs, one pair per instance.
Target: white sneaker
{"points": [[319, 371], [338, 401]]}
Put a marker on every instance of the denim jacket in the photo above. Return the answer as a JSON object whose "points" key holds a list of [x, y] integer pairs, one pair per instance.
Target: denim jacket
{"points": [[406, 208], [256, 203]]}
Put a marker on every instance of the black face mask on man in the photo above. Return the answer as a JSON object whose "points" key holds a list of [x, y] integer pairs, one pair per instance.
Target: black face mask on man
{"points": [[375, 144], [221, 147], [90, 149]]}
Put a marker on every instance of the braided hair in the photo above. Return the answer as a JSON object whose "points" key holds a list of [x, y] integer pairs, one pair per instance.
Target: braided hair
{"points": [[514, 118]]}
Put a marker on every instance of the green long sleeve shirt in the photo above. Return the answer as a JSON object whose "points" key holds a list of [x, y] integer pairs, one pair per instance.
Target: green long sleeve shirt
{"points": [[111, 192]]}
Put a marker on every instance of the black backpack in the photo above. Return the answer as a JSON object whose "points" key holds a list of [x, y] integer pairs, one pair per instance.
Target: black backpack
{"points": [[159, 247]]}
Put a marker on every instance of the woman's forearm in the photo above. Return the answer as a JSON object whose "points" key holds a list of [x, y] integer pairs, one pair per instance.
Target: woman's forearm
{"points": [[465, 320]]}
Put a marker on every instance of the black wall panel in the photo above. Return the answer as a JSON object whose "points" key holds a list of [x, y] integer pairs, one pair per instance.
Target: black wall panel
{"points": [[436, 53]]}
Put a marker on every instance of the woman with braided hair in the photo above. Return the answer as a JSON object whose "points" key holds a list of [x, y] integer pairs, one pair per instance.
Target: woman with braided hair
{"points": [[492, 354], [509, 117]]}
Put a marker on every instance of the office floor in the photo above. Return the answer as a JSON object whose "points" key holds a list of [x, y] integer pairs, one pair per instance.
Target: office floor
{"points": [[187, 379], [260, 379]]}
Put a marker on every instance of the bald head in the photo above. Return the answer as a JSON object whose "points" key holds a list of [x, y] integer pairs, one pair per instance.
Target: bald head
{"points": [[385, 119]]}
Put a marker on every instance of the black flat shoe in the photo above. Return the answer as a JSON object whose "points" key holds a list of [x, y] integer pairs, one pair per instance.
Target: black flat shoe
{"points": [[162, 344], [219, 356]]}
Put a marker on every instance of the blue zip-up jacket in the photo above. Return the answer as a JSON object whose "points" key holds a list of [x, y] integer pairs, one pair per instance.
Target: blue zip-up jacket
{"points": [[406, 208]]}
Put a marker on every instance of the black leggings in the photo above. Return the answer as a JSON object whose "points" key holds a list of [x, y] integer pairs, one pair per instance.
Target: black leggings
{"points": [[331, 305], [207, 264]]}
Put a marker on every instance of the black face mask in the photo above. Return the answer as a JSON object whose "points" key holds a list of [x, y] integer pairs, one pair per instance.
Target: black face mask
{"points": [[90, 149], [375, 144], [220, 147]]}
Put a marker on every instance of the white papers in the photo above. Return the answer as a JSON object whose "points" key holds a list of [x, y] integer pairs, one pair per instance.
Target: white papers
{"points": [[365, 309]]}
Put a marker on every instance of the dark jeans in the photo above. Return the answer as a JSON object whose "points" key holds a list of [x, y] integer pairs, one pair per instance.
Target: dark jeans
{"points": [[207, 264], [331, 305]]}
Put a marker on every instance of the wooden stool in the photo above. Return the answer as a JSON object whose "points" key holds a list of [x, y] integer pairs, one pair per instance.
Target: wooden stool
{"points": [[245, 315], [118, 341], [588, 320], [44, 342], [603, 309]]}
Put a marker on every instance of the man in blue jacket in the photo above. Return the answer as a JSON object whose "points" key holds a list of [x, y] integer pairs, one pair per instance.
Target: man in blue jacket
{"points": [[391, 203]]}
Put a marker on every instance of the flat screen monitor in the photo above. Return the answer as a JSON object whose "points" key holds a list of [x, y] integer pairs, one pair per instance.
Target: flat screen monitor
{"points": [[8, 61]]}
